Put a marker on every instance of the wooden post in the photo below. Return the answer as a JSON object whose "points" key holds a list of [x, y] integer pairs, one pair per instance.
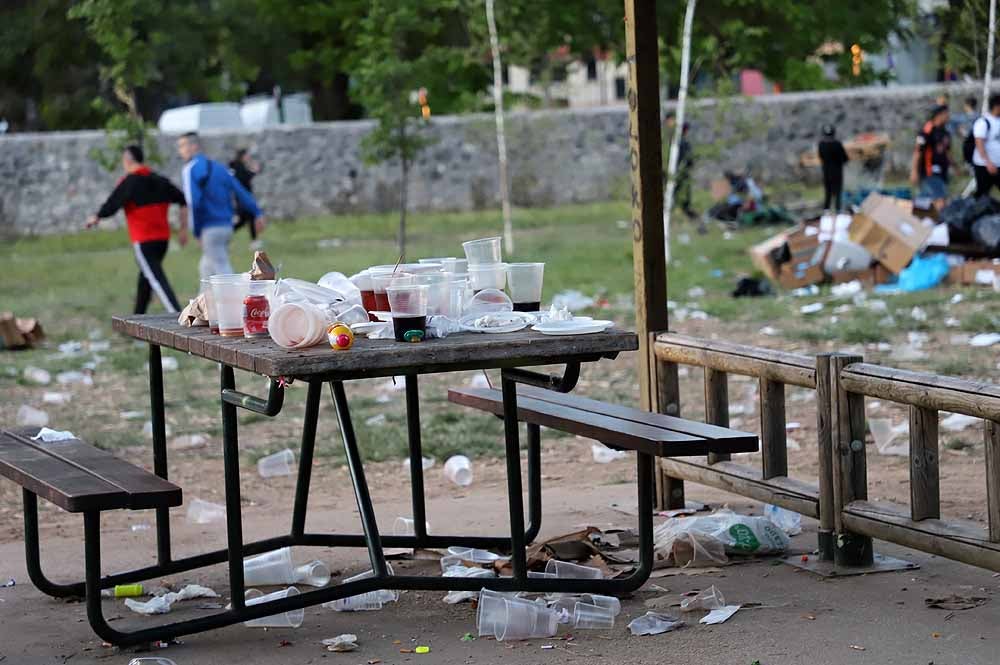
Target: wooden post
{"points": [[669, 490], [850, 481], [992, 430], [645, 164], [925, 489], [717, 405], [824, 440], [773, 445]]}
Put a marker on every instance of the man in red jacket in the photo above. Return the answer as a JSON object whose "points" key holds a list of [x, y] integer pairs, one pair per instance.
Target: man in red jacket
{"points": [[146, 196]]}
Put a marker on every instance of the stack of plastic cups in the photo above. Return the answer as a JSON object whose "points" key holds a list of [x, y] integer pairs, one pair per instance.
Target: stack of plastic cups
{"points": [[290, 619], [485, 264], [230, 291], [438, 291], [507, 618]]}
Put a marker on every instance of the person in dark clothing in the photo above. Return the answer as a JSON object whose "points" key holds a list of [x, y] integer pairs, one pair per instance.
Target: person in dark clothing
{"points": [[833, 157], [244, 168], [146, 197], [932, 157], [685, 167]]}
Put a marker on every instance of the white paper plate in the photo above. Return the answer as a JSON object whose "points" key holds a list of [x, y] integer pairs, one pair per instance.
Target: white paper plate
{"points": [[365, 328], [573, 327], [524, 322]]}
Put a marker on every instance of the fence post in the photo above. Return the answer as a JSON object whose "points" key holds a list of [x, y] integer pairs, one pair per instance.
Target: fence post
{"points": [[717, 405], [850, 479], [992, 430], [824, 439], [925, 485], [670, 491], [773, 445]]}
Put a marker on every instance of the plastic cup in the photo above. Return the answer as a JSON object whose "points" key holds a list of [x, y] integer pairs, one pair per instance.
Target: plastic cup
{"points": [[404, 526], [230, 291], [491, 611], [524, 281], [315, 573], [277, 464], [290, 619], [257, 307], [565, 570], [484, 250], [213, 318], [524, 620], [458, 469], [382, 280], [437, 284], [456, 295], [440, 260], [269, 568], [488, 276], [408, 305], [455, 265], [203, 512], [608, 602], [592, 617], [368, 601]]}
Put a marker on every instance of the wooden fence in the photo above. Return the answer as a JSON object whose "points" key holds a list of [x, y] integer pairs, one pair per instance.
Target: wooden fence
{"points": [[839, 497]]}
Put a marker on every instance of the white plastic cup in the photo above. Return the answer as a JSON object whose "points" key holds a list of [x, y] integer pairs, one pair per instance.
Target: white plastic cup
{"points": [[269, 568], [455, 265], [484, 250], [524, 620], [488, 276], [151, 660], [437, 284], [404, 526], [565, 570], [315, 573], [458, 469], [440, 260], [276, 464], [203, 512], [608, 602], [524, 281], [213, 318], [230, 291], [491, 611], [370, 600], [407, 300], [290, 619], [457, 292], [592, 617]]}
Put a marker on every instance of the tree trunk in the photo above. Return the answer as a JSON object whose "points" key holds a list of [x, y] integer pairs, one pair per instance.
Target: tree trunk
{"points": [[989, 57], [668, 203], [404, 181], [508, 226]]}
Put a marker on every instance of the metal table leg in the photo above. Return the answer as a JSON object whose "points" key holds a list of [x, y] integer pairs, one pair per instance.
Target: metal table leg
{"points": [[416, 458], [306, 459], [158, 419], [234, 513], [514, 499]]}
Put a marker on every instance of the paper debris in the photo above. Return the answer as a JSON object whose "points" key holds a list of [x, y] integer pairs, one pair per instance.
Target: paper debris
{"points": [[37, 375], [376, 420], [340, 643], [189, 442], [811, 308], [162, 604], [653, 623], [770, 331], [131, 415], [918, 314], [952, 322], [49, 435], [720, 615], [846, 290], [56, 398], [811, 290]]}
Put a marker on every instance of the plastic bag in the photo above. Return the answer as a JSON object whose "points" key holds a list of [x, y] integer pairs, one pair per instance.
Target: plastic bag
{"points": [[961, 213], [986, 231], [654, 623], [701, 541], [924, 272], [336, 281], [788, 520]]}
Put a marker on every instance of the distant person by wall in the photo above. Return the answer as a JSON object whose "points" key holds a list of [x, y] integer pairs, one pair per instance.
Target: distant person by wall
{"points": [[244, 168], [833, 157]]}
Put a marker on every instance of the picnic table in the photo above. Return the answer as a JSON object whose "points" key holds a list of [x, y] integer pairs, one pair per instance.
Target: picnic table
{"points": [[77, 477]]}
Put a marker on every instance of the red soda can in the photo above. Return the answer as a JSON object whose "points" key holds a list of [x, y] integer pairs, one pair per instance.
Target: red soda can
{"points": [[256, 312]]}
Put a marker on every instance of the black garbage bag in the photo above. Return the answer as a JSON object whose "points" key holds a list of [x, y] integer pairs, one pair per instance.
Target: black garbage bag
{"points": [[751, 287], [960, 214], [986, 232]]}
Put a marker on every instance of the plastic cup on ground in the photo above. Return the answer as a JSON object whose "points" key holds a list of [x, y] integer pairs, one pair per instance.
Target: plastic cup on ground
{"points": [[608, 602], [203, 512], [386, 595], [315, 573], [290, 619], [369, 601], [491, 611], [404, 526], [230, 291], [213, 318], [408, 305], [524, 281], [488, 276], [484, 250], [592, 617], [276, 464], [269, 568], [458, 469], [570, 571], [524, 620]]}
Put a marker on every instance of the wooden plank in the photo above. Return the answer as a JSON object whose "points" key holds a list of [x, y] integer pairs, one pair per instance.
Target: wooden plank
{"points": [[788, 368], [824, 439], [669, 490], [925, 484], [746, 481], [693, 427], [642, 50], [992, 440], [959, 540], [849, 464], [973, 398], [717, 405], [773, 443]]}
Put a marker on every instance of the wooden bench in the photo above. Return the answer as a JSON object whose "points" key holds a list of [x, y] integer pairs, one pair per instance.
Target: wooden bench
{"points": [[616, 426]]}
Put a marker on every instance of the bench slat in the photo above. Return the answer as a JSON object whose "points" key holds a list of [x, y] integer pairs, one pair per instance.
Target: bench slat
{"points": [[617, 432]]}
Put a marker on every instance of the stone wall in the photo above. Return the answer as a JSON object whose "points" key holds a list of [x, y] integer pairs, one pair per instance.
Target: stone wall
{"points": [[48, 183]]}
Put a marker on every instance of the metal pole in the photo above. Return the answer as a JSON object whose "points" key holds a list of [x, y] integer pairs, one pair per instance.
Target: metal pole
{"points": [[158, 420]]}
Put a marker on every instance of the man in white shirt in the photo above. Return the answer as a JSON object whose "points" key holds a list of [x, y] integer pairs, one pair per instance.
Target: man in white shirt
{"points": [[986, 157]]}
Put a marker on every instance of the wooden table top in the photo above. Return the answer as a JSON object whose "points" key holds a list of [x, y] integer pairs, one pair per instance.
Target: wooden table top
{"points": [[378, 357]]}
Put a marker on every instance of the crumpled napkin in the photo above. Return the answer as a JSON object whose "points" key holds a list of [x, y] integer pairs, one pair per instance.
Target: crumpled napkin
{"points": [[195, 314], [161, 604], [345, 642], [47, 435]]}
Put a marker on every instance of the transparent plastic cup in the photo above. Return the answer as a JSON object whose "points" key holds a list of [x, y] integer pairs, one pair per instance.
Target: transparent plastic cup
{"points": [[458, 469], [408, 305], [707, 599], [404, 526], [524, 282], [269, 568], [230, 291], [382, 278], [570, 571], [455, 265], [364, 602], [568, 602], [592, 617], [491, 610], [523, 620], [290, 619], [437, 284], [608, 602], [203, 512], [213, 318], [315, 573], [484, 250], [440, 260], [277, 464], [488, 276]]}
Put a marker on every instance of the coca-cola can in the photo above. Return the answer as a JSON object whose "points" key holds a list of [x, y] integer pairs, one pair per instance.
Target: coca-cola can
{"points": [[256, 312]]}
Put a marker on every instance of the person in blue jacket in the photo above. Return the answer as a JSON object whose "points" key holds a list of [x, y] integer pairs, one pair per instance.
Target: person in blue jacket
{"points": [[210, 189]]}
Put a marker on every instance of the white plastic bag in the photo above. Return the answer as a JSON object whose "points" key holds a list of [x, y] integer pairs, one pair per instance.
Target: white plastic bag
{"points": [[701, 541]]}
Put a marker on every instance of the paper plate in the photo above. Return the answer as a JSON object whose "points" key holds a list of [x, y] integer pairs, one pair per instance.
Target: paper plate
{"points": [[523, 322], [573, 327], [365, 328]]}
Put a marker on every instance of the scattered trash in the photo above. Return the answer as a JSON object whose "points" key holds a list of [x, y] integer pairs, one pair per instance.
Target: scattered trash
{"points": [[802, 292], [654, 623], [454, 597], [147, 428], [9, 583], [918, 314], [985, 339], [468, 637], [422, 649], [276, 464], [955, 602], [709, 599], [811, 308], [907, 352], [924, 272], [857, 647], [139, 527], [99, 346], [204, 512], [124, 591], [341, 643], [847, 289], [56, 398], [751, 287], [957, 298], [458, 469], [587, 616], [132, 415], [720, 615], [604, 455], [376, 420], [794, 425], [289, 619], [696, 292], [425, 462], [769, 331], [168, 363], [152, 660], [29, 416], [507, 618], [162, 604], [37, 375], [957, 422], [700, 541], [917, 339], [478, 380], [329, 243], [47, 435], [567, 570], [74, 377], [884, 433], [788, 520], [189, 442]]}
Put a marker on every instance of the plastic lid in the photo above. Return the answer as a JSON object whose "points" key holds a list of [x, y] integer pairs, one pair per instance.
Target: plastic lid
{"points": [[488, 301]]}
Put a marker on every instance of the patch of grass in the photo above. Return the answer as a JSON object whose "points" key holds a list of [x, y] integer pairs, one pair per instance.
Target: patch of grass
{"points": [[953, 366], [862, 330], [979, 321]]}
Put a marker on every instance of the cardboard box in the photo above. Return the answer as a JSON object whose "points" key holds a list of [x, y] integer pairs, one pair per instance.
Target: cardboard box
{"points": [[877, 274], [888, 230], [793, 258], [982, 273]]}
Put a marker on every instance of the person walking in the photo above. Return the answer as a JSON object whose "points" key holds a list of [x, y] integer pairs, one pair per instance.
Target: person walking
{"points": [[685, 166], [932, 157], [244, 168], [986, 156], [146, 197], [209, 189], [833, 157]]}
